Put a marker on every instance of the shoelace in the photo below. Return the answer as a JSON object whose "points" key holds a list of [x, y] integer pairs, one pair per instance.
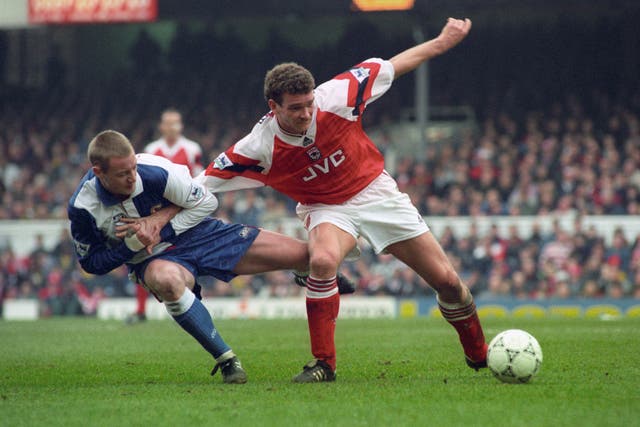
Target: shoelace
{"points": [[223, 366], [300, 280], [320, 374], [316, 370]]}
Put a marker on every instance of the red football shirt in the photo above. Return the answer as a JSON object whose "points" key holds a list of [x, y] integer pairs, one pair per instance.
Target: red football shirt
{"points": [[333, 162], [183, 152]]}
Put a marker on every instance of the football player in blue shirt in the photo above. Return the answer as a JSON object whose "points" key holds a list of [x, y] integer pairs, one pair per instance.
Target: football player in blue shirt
{"points": [[124, 185]]}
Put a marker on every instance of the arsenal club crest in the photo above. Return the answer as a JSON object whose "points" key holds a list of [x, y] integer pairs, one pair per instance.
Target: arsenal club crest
{"points": [[314, 154]]}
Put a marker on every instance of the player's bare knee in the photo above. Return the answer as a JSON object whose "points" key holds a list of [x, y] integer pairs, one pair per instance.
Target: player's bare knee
{"points": [[166, 280], [324, 263]]}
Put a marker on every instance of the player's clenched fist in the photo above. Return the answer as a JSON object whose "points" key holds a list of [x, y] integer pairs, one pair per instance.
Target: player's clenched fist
{"points": [[454, 32]]}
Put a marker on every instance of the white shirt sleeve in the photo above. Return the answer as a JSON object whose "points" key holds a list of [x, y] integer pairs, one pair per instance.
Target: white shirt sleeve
{"points": [[220, 185], [244, 165], [192, 196], [349, 93]]}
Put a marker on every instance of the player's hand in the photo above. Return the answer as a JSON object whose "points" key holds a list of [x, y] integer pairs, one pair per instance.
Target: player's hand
{"points": [[127, 227], [149, 233], [146, 229], [454, 32]]}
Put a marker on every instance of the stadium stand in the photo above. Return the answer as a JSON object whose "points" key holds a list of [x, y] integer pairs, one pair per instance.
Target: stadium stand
{"points": [[562, 150]]}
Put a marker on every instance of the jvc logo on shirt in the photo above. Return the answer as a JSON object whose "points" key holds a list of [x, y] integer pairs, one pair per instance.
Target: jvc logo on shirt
{"points": [[334, 159]]}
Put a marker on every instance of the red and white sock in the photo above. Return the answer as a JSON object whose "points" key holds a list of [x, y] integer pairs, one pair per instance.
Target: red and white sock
{"points": [[323, 305], [464, 318], [141, 296]]}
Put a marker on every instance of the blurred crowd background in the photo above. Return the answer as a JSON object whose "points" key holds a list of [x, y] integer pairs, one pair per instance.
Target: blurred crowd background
{"points": [[557, 116]]}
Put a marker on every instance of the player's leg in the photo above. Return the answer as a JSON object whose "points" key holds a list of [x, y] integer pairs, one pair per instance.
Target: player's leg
{"points": [[141, 306], [172, 283], [141, 298], [426, 257], [274, 251], [328, 245]]}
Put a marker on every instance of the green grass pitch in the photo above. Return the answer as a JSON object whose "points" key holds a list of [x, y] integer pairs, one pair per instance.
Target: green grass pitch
{"points": [[83, 372]]}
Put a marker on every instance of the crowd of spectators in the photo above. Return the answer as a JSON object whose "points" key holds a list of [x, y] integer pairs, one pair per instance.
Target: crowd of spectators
{"points": [[568, 153], [559, 264]]}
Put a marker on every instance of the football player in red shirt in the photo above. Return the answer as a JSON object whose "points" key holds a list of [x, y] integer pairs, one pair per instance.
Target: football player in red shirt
{"points": [[311, 147], [173, 146]]}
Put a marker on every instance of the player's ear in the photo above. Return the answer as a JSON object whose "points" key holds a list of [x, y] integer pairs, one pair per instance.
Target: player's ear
{"points": [[272, 104], [97, 171]]}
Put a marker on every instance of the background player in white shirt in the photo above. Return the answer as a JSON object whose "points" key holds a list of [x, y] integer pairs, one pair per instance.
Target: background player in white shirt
{"points": [[173, 146]]}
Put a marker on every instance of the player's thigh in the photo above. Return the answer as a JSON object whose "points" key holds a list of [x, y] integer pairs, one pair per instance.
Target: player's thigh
{"points": [[333, 231], [329, 244], [167, 279], [427, 258], [274, 251]]}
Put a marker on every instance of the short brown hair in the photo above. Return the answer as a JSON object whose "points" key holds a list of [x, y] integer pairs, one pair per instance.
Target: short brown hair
{"points": [[108, 144], [288, 77]]}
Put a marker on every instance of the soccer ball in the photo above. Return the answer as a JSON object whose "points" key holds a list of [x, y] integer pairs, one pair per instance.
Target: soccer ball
{"points": [[514, 356]]}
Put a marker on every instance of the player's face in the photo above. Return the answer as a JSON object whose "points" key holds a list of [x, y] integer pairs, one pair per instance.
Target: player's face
{"points": [[171, 126], [295, 112], [120, 178]]}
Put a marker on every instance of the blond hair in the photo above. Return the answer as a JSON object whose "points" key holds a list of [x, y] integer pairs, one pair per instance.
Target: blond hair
{"points": [[288, 77], [108, 144]]}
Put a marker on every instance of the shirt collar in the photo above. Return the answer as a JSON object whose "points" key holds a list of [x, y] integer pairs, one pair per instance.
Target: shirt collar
{"points": [[298, 140], [109, 199]]}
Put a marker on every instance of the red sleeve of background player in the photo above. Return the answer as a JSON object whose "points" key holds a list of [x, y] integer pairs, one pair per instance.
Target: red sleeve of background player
{"points": [[230, 164], [361, 78]]}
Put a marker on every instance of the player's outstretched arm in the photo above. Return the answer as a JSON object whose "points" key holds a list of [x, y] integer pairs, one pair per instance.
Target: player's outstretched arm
{"points": [[453, 33]]}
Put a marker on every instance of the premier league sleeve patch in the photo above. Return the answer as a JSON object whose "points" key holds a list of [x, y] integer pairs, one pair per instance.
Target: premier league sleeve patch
{"points": [[360, 73], [195, 193], [222, 161], [82, 249]]}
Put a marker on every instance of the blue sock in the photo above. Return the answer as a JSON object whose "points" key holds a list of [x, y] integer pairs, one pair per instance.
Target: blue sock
{"points": [[194, 318]]}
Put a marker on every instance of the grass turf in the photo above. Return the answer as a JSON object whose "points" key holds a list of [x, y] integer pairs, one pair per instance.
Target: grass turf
{"points": [[391, 372]]}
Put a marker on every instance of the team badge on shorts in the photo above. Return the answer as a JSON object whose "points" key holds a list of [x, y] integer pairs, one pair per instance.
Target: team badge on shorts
{"points": [[244, 233], [314, 153]]}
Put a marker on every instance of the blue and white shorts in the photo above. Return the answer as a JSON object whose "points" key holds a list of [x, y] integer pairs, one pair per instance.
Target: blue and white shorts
{"points": [[211, 248]]}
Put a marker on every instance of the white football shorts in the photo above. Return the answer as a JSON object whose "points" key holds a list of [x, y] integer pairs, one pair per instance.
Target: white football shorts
{"points": [[380, 213]]}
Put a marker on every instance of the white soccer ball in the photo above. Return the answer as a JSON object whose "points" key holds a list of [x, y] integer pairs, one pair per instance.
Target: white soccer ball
{"points": [[514, 356]]}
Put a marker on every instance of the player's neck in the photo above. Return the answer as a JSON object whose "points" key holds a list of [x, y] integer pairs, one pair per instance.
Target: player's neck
{"points": [[290, 132], [171, 142]]}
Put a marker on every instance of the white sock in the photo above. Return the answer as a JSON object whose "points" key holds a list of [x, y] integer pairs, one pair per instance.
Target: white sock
{"points": [[184, 303]]}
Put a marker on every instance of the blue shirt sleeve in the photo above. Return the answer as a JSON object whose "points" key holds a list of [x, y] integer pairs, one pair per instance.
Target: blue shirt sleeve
{"points": [[94, 255]]}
